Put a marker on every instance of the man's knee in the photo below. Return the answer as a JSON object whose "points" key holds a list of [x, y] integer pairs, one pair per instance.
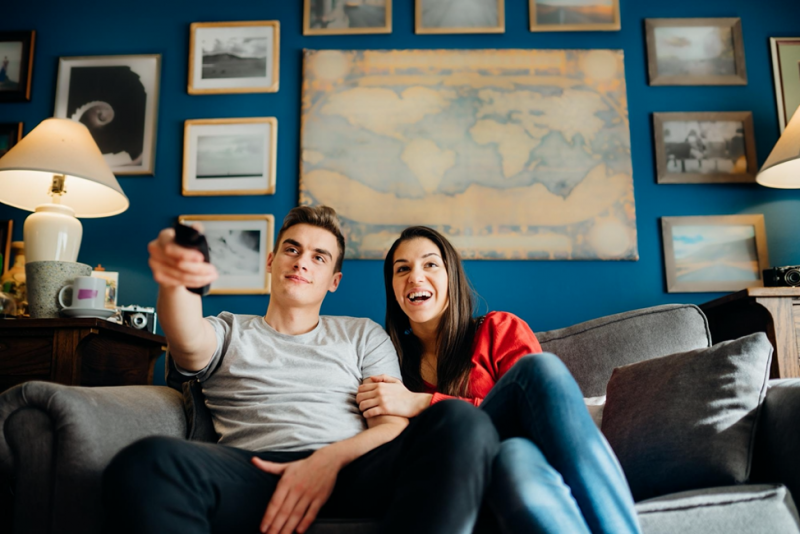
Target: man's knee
{"points": [[134, 465], [464, 428]]}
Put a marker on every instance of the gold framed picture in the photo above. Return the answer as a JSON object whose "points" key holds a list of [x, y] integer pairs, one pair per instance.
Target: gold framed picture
{"points": [[229, 156], [714, 253], [572, 16], [695, 51], [238, 247], [786, 69], [234, 57], [346, 17], [464, 16], [695, 148]]}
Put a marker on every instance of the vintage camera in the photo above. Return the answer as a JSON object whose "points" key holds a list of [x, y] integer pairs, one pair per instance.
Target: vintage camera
{"points": [[782, 276], [139, 317]]}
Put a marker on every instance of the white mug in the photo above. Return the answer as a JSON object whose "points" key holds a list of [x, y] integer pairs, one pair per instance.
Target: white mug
{"points": [[87, 292]]}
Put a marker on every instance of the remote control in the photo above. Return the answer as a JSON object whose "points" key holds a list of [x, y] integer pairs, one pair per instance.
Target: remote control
{"points": [[188, 237]]}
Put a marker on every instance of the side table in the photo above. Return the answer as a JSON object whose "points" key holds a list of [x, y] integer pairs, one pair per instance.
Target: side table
{"points": [[774, 310], [85, 352]]}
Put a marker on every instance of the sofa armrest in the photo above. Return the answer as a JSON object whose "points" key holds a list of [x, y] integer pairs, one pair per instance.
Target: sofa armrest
{"points": [[57, 440], [776, 457]]}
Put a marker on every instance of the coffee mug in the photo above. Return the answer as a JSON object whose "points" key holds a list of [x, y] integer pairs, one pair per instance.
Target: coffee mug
{"points": [[87, 292]]}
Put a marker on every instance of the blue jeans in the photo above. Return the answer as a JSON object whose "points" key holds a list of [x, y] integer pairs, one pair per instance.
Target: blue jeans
{"points": [[555, 472]]}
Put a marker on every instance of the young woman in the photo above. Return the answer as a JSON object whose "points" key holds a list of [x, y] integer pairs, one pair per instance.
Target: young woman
{"points": [[555, 472]]}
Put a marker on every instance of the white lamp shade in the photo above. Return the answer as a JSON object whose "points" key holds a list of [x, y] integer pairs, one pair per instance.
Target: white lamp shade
{"points": [[782, 168], [60, 146]]}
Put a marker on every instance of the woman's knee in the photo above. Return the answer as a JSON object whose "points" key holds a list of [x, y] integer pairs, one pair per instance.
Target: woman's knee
{"points": [[541, 370]]}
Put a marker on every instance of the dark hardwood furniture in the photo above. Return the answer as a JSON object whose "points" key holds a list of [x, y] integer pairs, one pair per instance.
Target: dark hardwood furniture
{"points": [[76, 352], [774, 310]]}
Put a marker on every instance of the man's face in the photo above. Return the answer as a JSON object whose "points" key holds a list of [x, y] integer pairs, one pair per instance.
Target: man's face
{"points": [[302, 267]]}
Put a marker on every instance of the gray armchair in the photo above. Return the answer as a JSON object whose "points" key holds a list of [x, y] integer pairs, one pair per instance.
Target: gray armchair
{"points": [[57, 440]]}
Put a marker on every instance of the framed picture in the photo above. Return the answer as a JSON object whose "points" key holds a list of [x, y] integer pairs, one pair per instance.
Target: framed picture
{"points": [[6, 235], [464, 16], [229, 156], [714, 253], [112, 287], [238, 246], [16, 65], [694, 148], [574, 16], [116, 97], [234, 57], [10, 134], [786, 69], [695, 51], [341, 17]]}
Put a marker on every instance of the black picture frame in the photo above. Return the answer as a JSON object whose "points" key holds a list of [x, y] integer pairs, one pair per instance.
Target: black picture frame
{"points": [[19, 91], [6, 234], [10, 134]]}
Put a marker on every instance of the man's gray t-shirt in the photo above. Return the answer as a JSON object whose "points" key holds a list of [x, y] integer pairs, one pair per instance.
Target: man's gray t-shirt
{"points": [[278, 392]]}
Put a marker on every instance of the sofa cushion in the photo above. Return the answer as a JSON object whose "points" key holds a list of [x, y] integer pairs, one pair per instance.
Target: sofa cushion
{"points": [[763, 509], [687, 421]]}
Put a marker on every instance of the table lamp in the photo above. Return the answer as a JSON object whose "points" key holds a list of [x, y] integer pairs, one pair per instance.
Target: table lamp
{"points": [[782, 168], [58, 172]]}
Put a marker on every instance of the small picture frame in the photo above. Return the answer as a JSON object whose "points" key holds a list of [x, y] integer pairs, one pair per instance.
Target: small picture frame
{"points": [[696, 148], [786, 70], [238, 245], [448, 16], [234, 57], [6, 234], [229, 156], [16, 65], [351, 17], [10, 134], [714, 253], [116, 97], [695, 51], [112, 287], [572, 16]]}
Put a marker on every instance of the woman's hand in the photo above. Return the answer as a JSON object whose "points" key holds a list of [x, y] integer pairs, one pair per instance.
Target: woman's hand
{"points": [[386, 395]]}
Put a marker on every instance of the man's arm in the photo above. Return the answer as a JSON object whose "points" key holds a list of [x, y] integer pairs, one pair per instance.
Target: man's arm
{"points": [[192, 340], [307, 484]]}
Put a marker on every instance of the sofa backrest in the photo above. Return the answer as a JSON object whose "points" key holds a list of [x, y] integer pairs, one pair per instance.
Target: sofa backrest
{"points": [[592, 350]]}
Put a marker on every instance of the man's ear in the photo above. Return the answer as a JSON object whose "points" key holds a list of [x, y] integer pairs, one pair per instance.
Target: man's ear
{"points": [[335, 282], [270, 259]]}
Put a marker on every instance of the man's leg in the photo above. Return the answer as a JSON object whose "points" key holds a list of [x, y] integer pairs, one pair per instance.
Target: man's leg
{"points": [[430, 479], [167, 485]]}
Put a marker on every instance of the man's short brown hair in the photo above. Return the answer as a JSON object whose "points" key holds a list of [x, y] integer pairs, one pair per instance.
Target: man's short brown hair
{"points": [[319, 216]]}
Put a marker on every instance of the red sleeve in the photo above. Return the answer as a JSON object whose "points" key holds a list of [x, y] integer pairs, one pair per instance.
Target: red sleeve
{"points": [[501, 340]]}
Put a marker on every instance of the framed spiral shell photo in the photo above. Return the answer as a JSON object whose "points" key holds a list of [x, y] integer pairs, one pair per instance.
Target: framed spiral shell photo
{"points": [[116, 98]]}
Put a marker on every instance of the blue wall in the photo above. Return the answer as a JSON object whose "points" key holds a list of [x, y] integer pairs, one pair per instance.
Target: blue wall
{"points": [[547, 294]]}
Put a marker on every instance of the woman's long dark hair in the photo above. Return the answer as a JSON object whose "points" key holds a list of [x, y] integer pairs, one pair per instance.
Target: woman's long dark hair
{"points": [[456, 328]]}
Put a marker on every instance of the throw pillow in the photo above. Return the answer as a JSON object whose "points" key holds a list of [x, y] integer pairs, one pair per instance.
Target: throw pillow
{"points": [[687, 421]]}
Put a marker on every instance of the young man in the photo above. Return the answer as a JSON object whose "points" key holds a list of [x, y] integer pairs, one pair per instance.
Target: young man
{"points": [[281, 390]]}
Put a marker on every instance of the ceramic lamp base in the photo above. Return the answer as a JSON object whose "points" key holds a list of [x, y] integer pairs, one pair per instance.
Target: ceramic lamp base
{"points": [[52, 233]]}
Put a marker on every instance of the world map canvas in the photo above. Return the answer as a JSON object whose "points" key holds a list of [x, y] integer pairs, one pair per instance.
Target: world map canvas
{"points": [[512, 154]]}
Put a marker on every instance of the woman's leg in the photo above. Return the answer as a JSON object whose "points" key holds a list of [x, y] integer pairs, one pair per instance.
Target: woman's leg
{"points": [[539, 400], [528, 495]]}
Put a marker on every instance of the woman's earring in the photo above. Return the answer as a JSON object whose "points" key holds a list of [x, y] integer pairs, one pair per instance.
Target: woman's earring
{"points": [[407, 332]]}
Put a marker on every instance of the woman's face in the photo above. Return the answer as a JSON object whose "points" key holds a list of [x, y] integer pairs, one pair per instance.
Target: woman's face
{"points": [[420, 281]]}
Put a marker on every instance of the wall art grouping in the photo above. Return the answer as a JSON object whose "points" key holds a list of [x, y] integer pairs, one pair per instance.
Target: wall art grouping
{"points": [[514, 154]]}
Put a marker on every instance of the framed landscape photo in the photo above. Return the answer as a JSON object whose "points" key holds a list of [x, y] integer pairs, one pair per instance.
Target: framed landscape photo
{"points": [[715, 147], [714, 253], [229, 156], [574, 15], [16, 65], [234, 57], [10, 134], [463, 16], [695, 51], [116, 98], [342, 17], [786, 69], [238, 247]]}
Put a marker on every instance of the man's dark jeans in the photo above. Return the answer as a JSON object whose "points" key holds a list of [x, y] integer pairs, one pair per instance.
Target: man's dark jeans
{"points": [[430, 479]]}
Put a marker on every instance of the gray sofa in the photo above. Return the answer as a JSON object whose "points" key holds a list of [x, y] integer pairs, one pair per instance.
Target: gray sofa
{"points": [[57, 440]]}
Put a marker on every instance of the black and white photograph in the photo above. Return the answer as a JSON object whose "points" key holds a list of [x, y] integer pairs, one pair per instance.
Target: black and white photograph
{"points": [[16, 65], [716, 147], [238, 248], [10, 134], [695, 51], [464, 16], [234, 57], [343, 17], [116, 98], [229, 156]]}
